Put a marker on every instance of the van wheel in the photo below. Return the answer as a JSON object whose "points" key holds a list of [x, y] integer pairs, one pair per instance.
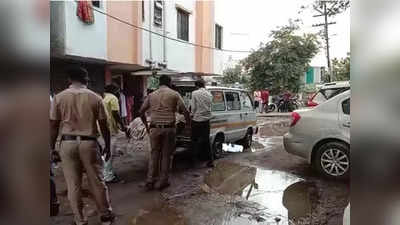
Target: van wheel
{"points": [[333, 160], [217, 146], [247, 141]]}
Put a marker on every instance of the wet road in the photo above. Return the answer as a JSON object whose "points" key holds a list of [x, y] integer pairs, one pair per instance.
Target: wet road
{"points": [[262, 185]]}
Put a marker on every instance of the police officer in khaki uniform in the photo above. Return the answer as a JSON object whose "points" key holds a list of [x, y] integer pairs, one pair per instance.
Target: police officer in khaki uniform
{"points": [[74, 113], [163, 104]]}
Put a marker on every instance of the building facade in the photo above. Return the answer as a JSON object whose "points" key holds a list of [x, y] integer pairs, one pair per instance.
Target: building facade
{"points": [[124, 42]]}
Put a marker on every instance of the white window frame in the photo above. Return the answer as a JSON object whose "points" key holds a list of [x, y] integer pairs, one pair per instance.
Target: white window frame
{"points": [[158, 4], [221, 36], [183, 11]]}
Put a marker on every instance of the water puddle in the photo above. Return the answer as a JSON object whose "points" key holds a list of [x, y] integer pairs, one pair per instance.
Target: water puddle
{"points": [[161, 215], [262, 143], [273, 197]]}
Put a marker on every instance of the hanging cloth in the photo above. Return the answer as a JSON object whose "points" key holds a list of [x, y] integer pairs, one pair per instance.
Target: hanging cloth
{"points": [[85, 12]]}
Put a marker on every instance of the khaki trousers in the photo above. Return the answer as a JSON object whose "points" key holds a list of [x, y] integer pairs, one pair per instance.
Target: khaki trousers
{"points": [[79, 156], [162, 142]]}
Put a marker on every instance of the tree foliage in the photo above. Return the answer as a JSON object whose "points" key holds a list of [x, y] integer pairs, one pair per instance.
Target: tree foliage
{"points": [[333, 7], [234, 75], [279, 64], [341, 68]]}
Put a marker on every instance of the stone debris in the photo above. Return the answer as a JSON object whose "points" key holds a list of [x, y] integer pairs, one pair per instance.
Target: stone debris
{"points": [[137, 130]]}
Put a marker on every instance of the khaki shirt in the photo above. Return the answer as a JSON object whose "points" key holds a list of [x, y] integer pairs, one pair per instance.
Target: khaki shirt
{"points": [[78, 109], [163, 104]]}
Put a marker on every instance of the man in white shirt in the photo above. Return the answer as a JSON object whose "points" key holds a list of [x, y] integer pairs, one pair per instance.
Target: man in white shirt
{"points": [[124, 112], [201, 116]]}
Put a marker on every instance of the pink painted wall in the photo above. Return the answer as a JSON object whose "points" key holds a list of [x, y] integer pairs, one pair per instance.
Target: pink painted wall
{"points": [[204, 36], [124, 43]]}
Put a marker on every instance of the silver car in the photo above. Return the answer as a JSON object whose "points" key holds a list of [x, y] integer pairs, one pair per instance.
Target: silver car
{"points": [[321, 135]]}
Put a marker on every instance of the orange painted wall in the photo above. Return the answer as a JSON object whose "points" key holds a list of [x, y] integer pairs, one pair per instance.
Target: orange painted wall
{"points": [[204, 36], [124, 43]]}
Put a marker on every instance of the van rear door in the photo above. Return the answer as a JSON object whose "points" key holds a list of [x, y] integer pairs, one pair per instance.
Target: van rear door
{"points": [[248, 113], [234, 127]]}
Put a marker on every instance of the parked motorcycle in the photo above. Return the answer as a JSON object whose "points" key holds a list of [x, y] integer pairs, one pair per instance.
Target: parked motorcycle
{"points": [[278, 104]]}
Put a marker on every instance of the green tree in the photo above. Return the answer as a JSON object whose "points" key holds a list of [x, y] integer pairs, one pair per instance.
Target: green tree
{"points": [[334, 7], [280, 63], [234, 75], [341, 68]]}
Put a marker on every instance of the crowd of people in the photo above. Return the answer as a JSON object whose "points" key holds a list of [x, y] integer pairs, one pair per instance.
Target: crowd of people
{"points": [[79, 117], [280, 103]]}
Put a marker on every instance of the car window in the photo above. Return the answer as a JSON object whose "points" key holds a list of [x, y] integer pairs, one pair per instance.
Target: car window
{"points": [[319, 98], [329, 93], [246, 101], [346, 106], [218, 103], [232, 101]]}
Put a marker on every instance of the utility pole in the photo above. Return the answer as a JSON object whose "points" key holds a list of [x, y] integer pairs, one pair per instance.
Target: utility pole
{"points": [[325, 13]]}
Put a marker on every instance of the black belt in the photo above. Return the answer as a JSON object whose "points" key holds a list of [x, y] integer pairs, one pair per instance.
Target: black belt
{"points": [[75, 137], [162, 126]]}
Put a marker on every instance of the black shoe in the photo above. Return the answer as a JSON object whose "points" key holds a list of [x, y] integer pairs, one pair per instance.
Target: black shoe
{"points": [[210, 164], [54, 208], [108, 219], [149, 186], [116, 180], [162, 185]]}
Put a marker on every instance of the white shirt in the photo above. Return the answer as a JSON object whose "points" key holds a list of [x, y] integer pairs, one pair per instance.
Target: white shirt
{"points": [[201, 105], [124, 112]]}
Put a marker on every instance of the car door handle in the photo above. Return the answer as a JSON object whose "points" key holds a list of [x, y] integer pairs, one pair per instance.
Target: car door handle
{"points": [[347, 124]]}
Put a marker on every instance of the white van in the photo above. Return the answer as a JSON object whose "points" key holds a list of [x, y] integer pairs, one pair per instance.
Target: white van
{"points": [[234, 117]]}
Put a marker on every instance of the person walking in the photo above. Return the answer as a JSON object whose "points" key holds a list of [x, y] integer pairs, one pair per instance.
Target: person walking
{"points": [[264, 100], [162, 104], [111, 104], [286, 101], [201, 116], [74, 115], [257, 99]]}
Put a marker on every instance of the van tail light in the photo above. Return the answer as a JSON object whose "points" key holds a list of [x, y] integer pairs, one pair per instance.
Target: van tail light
{"points": [[295, 118]]}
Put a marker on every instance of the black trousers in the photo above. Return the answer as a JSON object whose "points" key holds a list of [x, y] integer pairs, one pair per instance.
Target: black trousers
{"points": [[201, 140]]}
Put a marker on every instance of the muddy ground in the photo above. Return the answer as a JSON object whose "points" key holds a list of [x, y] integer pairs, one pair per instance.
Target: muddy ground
{"points": [[263, 185]]}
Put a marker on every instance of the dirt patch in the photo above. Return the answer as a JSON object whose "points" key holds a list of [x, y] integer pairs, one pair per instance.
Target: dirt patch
{"points": [[159, 215], [263, 186]]}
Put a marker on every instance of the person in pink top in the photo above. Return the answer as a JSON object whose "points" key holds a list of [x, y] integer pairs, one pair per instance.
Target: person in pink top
{"points": [[257, 98]]}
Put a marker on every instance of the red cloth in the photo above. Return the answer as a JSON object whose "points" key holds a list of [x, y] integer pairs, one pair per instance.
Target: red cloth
{"points": [[287, 96], [129, 107], [264, 96], [85, 11]]}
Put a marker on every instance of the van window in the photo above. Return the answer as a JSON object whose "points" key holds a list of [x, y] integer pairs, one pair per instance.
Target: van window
{"points": [[246, 101], [346, 106], [218, 103], [232, 101], [319, 98]]}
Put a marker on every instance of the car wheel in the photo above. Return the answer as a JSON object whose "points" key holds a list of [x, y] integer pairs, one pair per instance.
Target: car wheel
{"points": [[247, 141], [217, 146], [333, 160]]}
